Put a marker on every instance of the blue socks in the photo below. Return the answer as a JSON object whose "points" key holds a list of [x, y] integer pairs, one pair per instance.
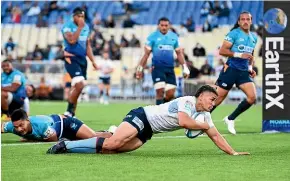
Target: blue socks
{"points": [[242, 107], [82, 146], [91, 145]]}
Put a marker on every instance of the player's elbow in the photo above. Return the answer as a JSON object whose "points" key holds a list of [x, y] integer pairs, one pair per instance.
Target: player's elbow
{"points": [[221, 52]]}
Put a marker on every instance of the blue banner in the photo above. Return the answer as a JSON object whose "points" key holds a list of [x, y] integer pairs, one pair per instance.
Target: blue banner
{"points": [[276, 125]]}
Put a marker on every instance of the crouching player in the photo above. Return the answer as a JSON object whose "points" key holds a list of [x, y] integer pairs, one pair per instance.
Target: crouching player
{"points": [[140, 124], [47, 128]]}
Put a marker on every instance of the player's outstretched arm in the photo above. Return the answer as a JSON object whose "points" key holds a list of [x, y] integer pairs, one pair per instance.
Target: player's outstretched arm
{"points": [[220, 142], [143, 61], [180, 58], [186, 122]]}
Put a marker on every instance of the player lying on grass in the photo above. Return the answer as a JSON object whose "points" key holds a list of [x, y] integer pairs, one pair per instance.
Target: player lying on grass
{"points": [[47, 128], [140, 124]]}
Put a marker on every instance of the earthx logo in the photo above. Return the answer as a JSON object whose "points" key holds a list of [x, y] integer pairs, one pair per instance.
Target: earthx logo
{"points": [[273, 80]]}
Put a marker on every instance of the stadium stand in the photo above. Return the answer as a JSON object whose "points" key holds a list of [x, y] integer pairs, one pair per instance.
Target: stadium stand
{"points": [[44, 30]]}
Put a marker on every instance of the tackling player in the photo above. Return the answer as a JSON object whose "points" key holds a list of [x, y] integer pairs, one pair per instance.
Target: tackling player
{"points": [[140, 124], [47, 128], [162, 43], [77, 47], [238, 46]]}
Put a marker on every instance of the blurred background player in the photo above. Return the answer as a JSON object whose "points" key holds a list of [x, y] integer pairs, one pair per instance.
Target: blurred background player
{"points": [[140, 124], [106, 68], [238, 46], [163, 43], [77, 47], [47, 128], [67, 85], [13, 90]]}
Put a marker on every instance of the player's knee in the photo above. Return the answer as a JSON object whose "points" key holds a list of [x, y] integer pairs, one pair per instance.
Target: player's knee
{"points": [[4, 94], [78, 82], [252, 99]]}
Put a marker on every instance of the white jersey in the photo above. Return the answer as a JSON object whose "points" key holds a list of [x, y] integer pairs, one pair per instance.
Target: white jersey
{"points": [[164, 117], [105, 66]]}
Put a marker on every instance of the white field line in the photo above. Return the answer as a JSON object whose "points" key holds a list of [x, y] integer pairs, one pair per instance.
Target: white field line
{"points": [[155, 137]]}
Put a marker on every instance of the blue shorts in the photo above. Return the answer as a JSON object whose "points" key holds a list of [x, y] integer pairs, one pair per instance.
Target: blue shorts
{"points": [[68, 84], [163, 74], [75, 68], [105, 80], [69, 129], [138, 119], [16, 103], [230, 76]]}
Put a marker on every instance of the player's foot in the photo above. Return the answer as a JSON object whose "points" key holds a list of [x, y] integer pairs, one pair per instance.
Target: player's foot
{"points": [[231, 125], [112, 129], [102, 100], [58, 148], [5, 118]]}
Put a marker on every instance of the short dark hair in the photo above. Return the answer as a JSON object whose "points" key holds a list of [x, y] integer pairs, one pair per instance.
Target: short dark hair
{"points": [[163, 19], [205, 88], [78, 10], [18, 114]]}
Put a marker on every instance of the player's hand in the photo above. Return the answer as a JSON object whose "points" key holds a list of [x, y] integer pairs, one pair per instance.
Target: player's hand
{"points": [[253, 73], [139, 72], [95, 65], [81, 22], [241, 153], [186, 71], [247, 56]]}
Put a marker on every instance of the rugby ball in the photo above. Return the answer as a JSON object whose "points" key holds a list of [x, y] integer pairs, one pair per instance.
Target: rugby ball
{"points": [[200, 117]]}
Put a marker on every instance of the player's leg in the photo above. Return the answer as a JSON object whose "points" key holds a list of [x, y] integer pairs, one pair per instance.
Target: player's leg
{"points": [[107, 89], [158, 77], [101, 88], [135, 124], [132, 145], [170, 85], [245, 83], [77, 83], [6, 98], [224, 83], [250, 91]]}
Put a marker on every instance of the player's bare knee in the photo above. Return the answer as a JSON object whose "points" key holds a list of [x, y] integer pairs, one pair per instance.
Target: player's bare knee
{"points": [[4, 95], [252, 99]]}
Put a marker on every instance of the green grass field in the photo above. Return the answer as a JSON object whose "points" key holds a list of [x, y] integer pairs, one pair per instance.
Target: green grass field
{"points": [[165, 157]]}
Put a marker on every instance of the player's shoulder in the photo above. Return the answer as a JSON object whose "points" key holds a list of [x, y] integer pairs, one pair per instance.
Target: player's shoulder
{"points": [[173, 35], [154, 34], [254, 35], [235, 31]]}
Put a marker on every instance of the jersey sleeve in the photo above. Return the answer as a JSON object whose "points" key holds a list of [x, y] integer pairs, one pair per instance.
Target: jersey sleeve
{"points": [[66, 28], [185, 105], [208, 119], [231, 36], [150, 42], [17, 79], [8, 127]]}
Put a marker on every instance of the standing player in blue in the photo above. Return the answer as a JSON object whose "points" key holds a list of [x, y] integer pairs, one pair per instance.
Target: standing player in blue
{"points": [[77, 47], [238, 46], [13, 90], [47, 128], [162, 43]]}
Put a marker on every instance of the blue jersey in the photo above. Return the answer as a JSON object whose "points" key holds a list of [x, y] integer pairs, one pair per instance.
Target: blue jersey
{"points": [[163, 47], [42, 127], [80, 47], [14, 77], [242, 43]]}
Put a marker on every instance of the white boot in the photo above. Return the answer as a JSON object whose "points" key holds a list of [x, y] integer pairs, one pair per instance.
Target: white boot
{"points": [[231, 125]]}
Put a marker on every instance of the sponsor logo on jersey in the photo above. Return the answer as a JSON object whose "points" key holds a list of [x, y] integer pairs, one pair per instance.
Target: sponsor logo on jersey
{"points": [[244, 48], [165, 47]]}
